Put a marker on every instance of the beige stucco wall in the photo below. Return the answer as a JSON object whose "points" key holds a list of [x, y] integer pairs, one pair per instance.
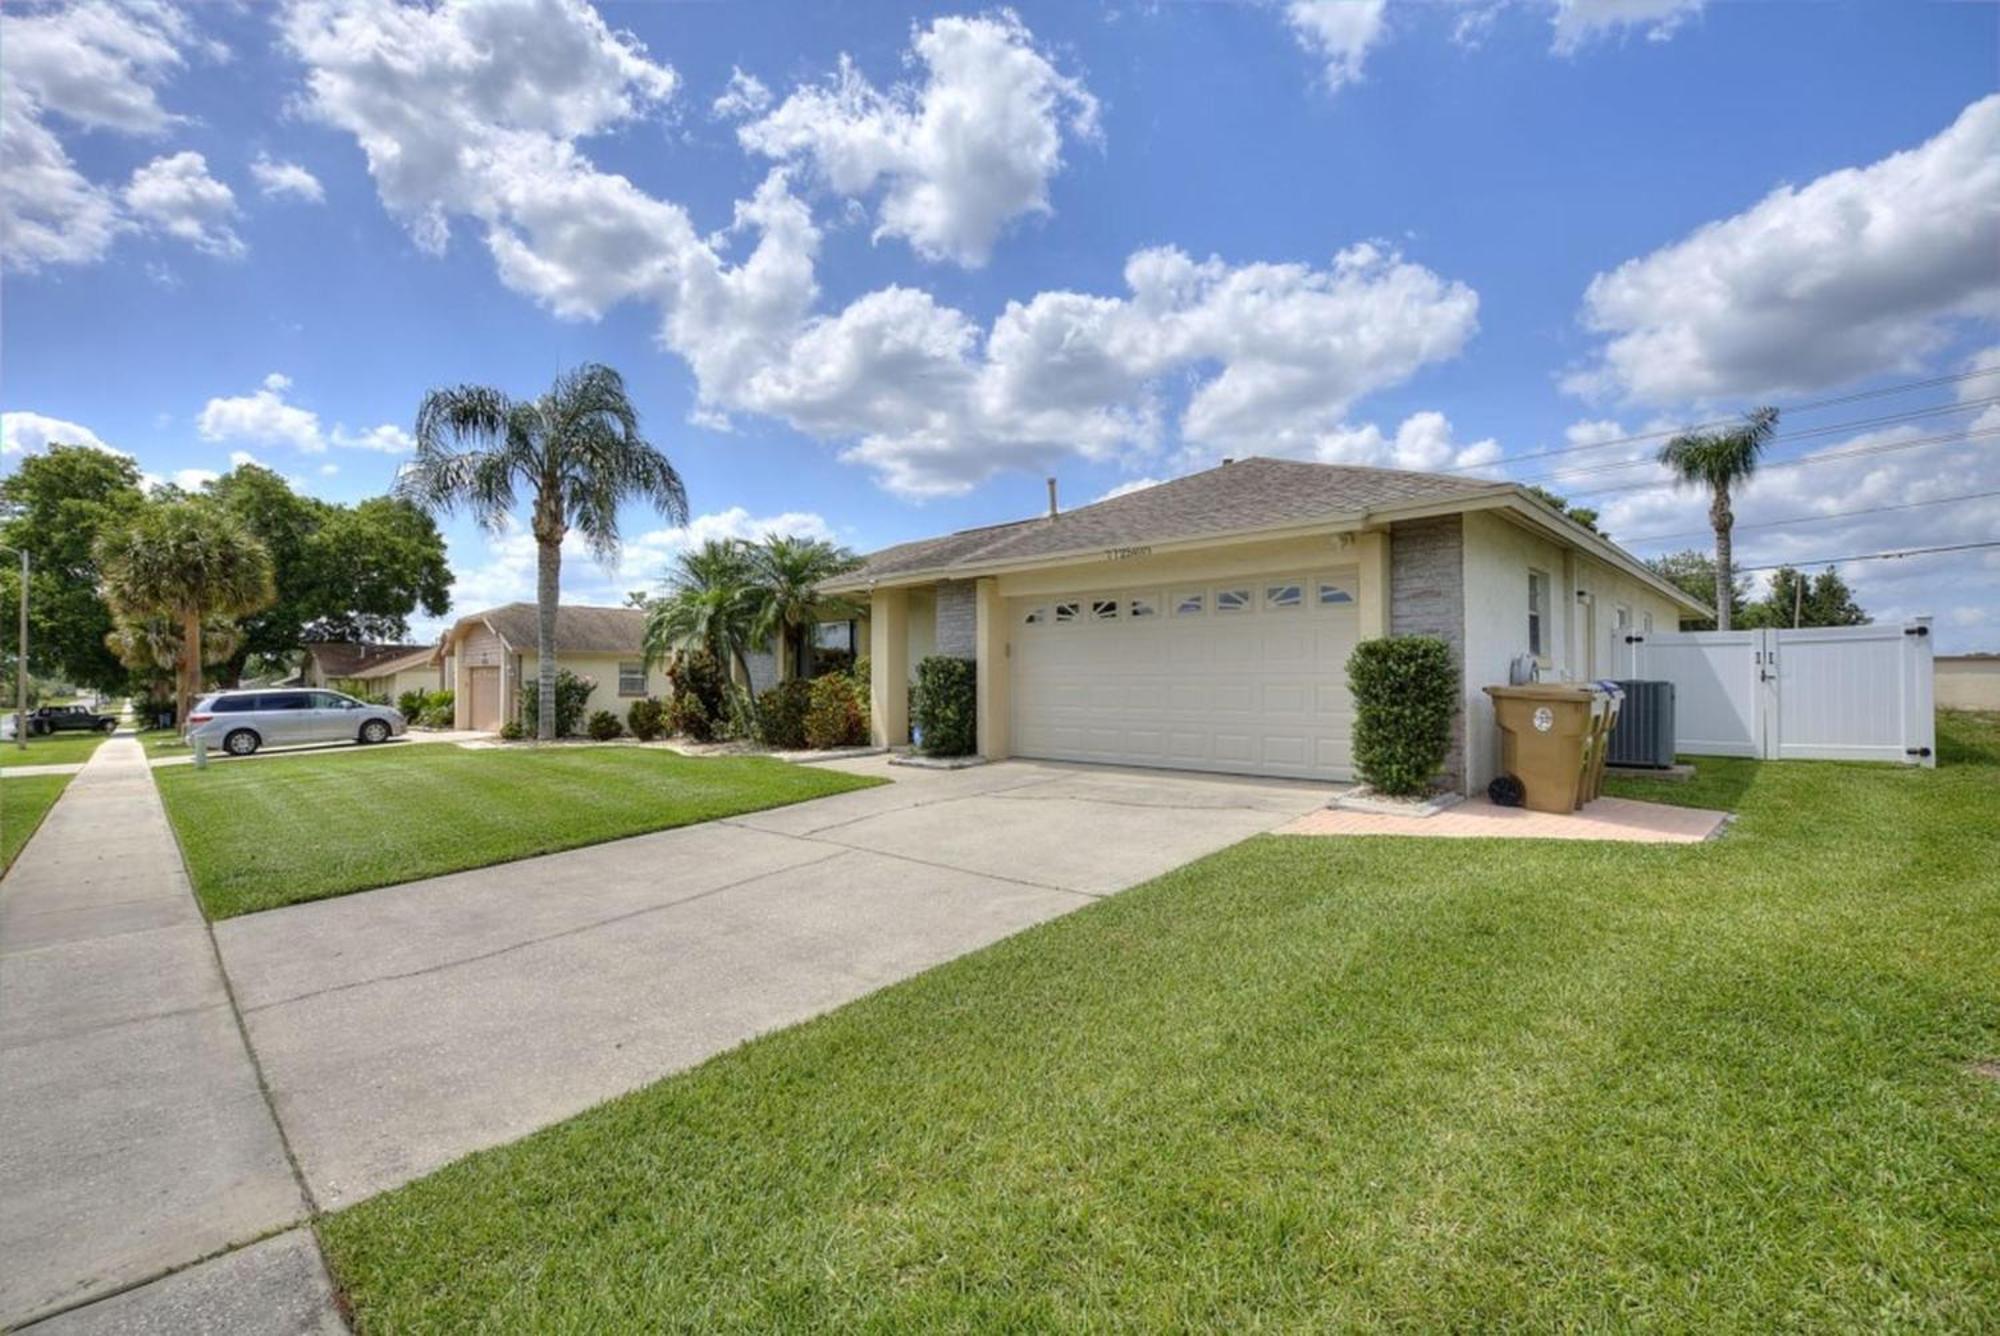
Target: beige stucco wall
{"points": [[1966, 684], [477, 647], [1602, 651], [603, 669]]}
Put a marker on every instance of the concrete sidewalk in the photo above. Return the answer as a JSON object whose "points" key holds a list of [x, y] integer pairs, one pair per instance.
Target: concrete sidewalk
{"points": [[137, 1139]]}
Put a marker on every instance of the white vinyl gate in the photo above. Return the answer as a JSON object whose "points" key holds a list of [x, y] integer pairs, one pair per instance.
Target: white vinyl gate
{"points": [[1836, 693]]}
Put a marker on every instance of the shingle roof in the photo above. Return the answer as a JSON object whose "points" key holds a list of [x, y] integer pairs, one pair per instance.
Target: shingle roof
{"points": [[579, 629], [338, 658], [1254, 493]]}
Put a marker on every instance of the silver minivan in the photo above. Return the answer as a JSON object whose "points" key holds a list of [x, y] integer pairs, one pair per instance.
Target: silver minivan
{"points": [[240, 722]]}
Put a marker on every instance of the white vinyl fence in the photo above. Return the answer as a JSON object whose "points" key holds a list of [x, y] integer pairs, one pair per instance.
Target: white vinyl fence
{"points": [[1845, 693]]}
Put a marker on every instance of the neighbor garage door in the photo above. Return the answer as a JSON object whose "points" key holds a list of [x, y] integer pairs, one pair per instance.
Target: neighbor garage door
{"points": [[1244, 676]]}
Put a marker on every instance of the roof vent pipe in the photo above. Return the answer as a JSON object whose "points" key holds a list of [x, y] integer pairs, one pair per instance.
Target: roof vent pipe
{"points": [[1052, 497]]}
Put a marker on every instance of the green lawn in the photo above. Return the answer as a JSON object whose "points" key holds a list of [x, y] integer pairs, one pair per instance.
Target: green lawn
{"points": [[55, 749], [24, 801], [1314, 1084], [259, 834]]}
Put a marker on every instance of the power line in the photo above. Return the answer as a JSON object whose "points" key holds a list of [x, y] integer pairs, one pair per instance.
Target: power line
{"points": [[1831, 429], [1903, 388], [1870, 556], [1827, 458], [1814, 519]]}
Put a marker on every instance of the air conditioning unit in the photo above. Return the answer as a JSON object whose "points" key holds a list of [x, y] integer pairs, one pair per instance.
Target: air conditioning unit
{"points": [[1644, 735]]}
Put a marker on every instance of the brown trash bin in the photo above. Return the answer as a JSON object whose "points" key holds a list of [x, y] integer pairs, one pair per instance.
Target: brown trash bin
{"points": [[1545, 733]]}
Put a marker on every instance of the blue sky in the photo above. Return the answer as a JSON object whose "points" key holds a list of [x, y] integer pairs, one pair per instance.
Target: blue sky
{"points": [[872, 270]]}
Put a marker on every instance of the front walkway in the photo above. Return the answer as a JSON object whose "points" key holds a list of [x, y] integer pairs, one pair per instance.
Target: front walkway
{"points": [[402, 1028], [134, 1137]]}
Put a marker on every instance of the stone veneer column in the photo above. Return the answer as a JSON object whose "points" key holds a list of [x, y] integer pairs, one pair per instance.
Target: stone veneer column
{"points": [[957, 619], [1427, 598]]}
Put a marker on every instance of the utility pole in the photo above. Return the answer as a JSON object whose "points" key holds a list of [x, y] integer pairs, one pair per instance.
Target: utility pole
{"points": [[21, 664], [1798, 597]]}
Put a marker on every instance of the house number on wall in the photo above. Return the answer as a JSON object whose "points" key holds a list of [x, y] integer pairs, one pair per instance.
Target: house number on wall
{"points": [[1126, 553]]}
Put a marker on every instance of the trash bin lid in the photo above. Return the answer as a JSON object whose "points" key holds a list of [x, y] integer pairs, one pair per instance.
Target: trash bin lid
{"points": [[1565, 691]]}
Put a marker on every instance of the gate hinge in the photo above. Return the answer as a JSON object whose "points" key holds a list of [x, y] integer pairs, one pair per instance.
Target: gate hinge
{"points": [[1916, 751], [1916, 630], [1635, 640]]}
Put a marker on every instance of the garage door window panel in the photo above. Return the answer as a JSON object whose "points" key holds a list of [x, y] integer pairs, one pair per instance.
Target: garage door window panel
{"points": [[1287, 596], [1068, 612], [1145, 605], [1232, 600], [1104, 610], [1332, 592], [1190, 603]]}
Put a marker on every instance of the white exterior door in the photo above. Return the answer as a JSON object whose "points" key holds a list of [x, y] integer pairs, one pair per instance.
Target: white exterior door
{"points": [[1243, 676]]}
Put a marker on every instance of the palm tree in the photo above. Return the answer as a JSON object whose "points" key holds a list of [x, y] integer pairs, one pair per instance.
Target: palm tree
{"points": [[189, 562], [711, 604], [786, 574], [577, 448], [1717, 460]]}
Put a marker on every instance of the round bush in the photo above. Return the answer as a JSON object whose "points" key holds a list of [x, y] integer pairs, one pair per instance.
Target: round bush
{"points": [[833, 718], [945, 704], [781, 714], [647, 719], [604, 726], [1405, 694], [686, 717]]}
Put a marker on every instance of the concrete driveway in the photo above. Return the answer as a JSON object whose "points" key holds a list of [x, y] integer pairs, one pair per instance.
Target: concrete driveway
{"points": [[400, 1029]]}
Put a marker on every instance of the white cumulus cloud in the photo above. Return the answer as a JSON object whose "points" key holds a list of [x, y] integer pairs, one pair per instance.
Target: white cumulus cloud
{"points": [[1860, 271], [29, 433], [286, 180], [745, 95], [266, 416], [1577, 22], [1339, 32], [958, 156], [176, 195]]}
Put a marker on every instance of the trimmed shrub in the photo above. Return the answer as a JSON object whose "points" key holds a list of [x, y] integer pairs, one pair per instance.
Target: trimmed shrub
{"points": [[604, 726], [1405, 694], [833, 716], [944, 704], [862, 669], [435, 716], [686, 717], [511, 731], [572, 694], [647, 719], [826, 661], [781, 714], [700, 674], [412, 703]]}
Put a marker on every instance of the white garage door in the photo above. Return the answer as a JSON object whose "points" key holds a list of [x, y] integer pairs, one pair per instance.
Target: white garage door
{"points": [[1245, 676]]}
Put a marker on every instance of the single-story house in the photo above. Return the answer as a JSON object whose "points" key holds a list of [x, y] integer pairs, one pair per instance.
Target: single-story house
{"points": [[1966, 681], [489, 655], [1205, 623], [384, 670]]}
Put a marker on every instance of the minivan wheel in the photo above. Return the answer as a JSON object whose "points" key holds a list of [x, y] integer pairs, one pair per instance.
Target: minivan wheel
{"points": [[242, 742], [374, 731]]}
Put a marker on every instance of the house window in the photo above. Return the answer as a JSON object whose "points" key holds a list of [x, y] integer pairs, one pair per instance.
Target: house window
{"points": [[1036, 617], [1332, 593], [1190, 603], [1143, 606], [835, 636], [632, 679], [1232, 600], [1104, 610], [1284, 596], [1067, 612], [1538, 613]]}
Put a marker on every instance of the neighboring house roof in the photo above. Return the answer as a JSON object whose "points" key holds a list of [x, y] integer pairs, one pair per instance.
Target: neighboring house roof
{"points": [[1246, 497], [337, 658], [579, 629]]}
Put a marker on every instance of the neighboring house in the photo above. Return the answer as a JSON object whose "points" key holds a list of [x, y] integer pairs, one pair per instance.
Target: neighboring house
{"points": [[1205, 623], [1966, 681], [491, 654], [375, 670]]}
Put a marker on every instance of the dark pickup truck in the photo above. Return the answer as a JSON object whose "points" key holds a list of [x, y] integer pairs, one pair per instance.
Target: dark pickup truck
{"points": [[68, 719]]}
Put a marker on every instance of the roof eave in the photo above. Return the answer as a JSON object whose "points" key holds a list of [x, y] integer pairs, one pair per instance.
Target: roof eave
{"points": [[1522, 501]]}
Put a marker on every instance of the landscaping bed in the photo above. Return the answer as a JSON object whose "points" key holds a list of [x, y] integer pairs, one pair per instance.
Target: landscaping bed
{"points": [[1326, 1084], [295, 828]]}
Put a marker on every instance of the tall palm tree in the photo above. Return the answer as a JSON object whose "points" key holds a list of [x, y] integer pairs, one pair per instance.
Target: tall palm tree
{"points": [[1717, 460], [576, 449], [188, 561], [786, 574], [711, 604]]}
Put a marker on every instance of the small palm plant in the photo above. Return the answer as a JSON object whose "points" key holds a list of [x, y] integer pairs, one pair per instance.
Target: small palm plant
{"points": [[786, 574], [1718, 460], [576, 449], [711, 603], [187, 562]]}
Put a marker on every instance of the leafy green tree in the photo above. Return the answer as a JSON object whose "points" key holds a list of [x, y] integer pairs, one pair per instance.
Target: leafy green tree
{"points": [[1815, 600], [186, 561], [578, 452], [785, 575], [1583, 515], [712, 603], [1718, 460], [56, 506], [342, 572], [1693, 573]]}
